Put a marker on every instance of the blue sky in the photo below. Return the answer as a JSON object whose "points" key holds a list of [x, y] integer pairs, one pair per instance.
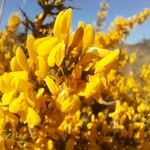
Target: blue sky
{"points": [[89, 9]]}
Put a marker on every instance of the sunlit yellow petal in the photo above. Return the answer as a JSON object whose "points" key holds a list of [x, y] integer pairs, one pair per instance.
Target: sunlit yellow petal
{"points": [[18, 104], [22, 60], [21, 85], [52, 55], [60, 54], [108, 60], [14, 64], [62, 24], [20, 75], [42, 67], [8, 97], [40, 93], [31, 51], [65, 24], [66, 103], [54, 89], [32, 117], [57, 24], [45, 46], [88, 36]]}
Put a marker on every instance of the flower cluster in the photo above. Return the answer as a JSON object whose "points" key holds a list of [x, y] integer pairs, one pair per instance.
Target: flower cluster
{"points": [[9, 42], [67, 91], [119, 30]]}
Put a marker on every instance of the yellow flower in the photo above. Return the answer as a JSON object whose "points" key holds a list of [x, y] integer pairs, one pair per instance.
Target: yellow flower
{"points": [[132, 58], [66, 102], [50, 145], [93, 86], [143, 108], [14, 20], [105, 62]]}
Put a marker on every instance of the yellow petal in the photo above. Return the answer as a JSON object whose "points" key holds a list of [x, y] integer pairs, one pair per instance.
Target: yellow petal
{"points": [[52, 55], [32, 117], [19, 75], [40, 93], [76, 39], [52, 86], [22, 60], [81, 24], [42, 67], [57, 24], [50, 145], [38, 41], [21, 85], [100, 52], [31, 98], [60, 54], [62, 24], [14, 64], [66, 103], [106, 61], [93, 86], [31, 51], [88, 36], [65, 24], [8, 97], [5, 81], [45, 46], [132, 58], [18, 104]]}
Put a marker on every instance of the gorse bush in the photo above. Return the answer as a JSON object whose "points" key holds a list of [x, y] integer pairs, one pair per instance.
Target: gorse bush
{"points": [[68, 90]]}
